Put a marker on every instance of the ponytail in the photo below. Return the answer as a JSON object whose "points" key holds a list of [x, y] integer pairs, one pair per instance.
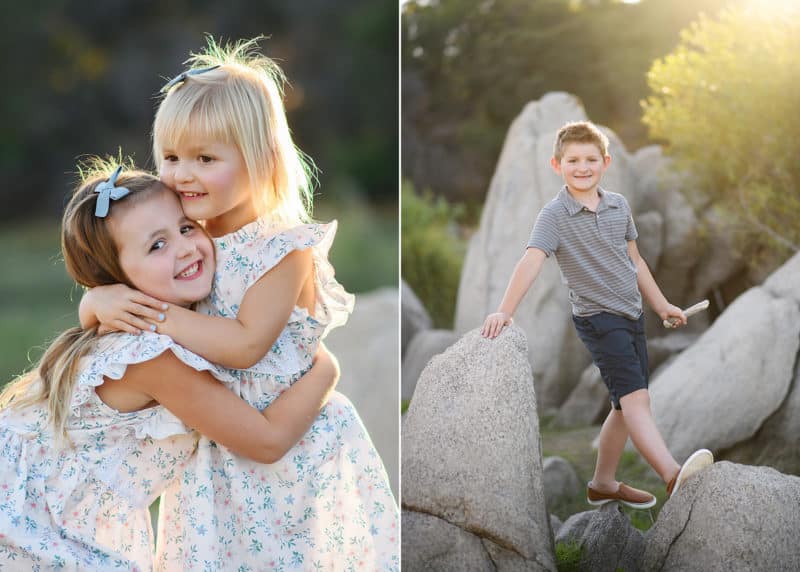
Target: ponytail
{"points": [[53, 379]]}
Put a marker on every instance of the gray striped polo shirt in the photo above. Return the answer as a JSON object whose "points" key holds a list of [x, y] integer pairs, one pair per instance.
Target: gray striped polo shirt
{"points": [[592, 252]]}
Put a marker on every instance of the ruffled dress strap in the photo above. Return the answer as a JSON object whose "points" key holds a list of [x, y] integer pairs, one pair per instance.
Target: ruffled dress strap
{"points": [[333, 303], [247, 254]]}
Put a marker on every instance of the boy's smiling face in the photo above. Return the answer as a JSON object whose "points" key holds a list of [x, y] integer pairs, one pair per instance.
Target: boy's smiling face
{"points": [[581, 166]]}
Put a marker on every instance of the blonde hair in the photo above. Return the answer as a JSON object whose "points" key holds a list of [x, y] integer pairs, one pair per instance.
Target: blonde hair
{"points": [[579, 132], [241, 103], [92, 259]]}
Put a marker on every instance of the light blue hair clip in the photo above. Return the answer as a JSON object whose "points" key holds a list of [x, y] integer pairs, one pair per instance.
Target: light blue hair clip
{"points": [[182, 77], [108, 192]]}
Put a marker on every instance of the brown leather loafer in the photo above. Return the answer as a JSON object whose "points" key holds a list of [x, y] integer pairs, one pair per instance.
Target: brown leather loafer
{"points": [[626, 495]]}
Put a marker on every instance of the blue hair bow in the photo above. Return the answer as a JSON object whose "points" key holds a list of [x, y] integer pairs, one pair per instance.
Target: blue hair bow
{"points": [[182, 77], [108, 192]]}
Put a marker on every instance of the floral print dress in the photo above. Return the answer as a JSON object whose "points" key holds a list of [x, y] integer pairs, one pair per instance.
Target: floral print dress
{"points": [[326, 505], [83, 505]]}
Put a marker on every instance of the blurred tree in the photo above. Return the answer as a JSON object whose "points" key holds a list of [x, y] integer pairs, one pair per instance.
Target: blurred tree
{"points": [[726, 100], [82, 78], [478, 63], [432, 252]]}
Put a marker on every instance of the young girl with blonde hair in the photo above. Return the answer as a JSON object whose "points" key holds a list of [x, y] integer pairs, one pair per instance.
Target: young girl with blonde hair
{"points": [[92, 436], [221, 142]]}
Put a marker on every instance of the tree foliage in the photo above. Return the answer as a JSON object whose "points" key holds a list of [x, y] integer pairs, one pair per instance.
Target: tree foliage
{"points": [[82, 78], [725, 100], [432, 253], [482, 61]]}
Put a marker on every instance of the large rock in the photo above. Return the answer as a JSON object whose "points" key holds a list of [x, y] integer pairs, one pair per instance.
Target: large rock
{"points": [[785, 281], [728, 517], [650, 168], [650, 243], [414, 318], [430, 543], [587, 404], [777, 442], [422, 348], [555, 524], [560, 481], [658, 189], [722, 389], [608, 540], [472, 449], [659, 350], [367, 349], [720, 257]]}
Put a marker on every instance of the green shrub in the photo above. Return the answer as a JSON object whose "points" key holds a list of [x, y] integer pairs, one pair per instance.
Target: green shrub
{"points": [[432, 252], [568, 556], [725, 101], [364, 253]]}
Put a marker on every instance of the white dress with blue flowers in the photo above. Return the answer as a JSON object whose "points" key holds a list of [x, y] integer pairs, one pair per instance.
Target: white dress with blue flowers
{"points": [[327, 504], [83, 504]]}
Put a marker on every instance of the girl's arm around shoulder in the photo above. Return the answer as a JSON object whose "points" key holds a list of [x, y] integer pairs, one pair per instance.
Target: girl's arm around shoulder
{"points": [[267, 305], [205, 404]]}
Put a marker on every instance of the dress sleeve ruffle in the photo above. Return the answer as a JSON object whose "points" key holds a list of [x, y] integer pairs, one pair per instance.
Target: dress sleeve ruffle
{"points": [[333, 303], [111, 357]]}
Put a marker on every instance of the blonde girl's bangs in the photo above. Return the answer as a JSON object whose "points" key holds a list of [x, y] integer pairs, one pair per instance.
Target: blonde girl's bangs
{"points": [[188, 115]]}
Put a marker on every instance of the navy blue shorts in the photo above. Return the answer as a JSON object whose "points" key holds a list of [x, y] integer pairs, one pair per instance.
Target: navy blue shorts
{"points": [[619, 349]]}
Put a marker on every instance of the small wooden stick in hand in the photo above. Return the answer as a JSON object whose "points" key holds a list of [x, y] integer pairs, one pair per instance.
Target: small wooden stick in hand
{"points": [[690, 311]]}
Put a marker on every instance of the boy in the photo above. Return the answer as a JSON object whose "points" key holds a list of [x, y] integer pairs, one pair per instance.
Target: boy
{"points": [[592, 234]]}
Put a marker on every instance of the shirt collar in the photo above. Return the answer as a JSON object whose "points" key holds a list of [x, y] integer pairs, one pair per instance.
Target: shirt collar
{"points": [[573, 207]]}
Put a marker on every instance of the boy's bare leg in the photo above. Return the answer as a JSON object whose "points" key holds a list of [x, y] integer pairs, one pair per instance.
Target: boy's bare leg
{"points": [[613, 437], [645, 434]]}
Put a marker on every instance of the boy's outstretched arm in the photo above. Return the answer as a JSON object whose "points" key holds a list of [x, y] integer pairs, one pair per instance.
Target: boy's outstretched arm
{"points": [[525, 273], [650, 290], [241, 342]]}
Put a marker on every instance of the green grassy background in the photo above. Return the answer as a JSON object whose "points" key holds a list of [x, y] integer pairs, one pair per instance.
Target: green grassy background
{"points": [[38, 300]]}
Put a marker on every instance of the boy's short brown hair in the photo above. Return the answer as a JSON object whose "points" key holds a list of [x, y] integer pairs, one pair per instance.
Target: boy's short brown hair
{"points": [[579, 132]]}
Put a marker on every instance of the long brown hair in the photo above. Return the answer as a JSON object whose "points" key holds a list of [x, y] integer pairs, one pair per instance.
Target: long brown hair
{"points": [[92, 259]]}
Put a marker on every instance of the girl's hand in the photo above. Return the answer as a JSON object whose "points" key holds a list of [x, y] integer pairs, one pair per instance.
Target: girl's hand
{"points": [[119, 308], [494, 324]]}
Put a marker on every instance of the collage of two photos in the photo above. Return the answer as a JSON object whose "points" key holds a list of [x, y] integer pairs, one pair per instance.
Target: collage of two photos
{"points": [[599, 238], [430, 285]]}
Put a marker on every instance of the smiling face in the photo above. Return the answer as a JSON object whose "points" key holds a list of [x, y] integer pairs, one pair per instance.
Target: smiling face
{"points": [[211, 180], [165, 254], [581, 166]]}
